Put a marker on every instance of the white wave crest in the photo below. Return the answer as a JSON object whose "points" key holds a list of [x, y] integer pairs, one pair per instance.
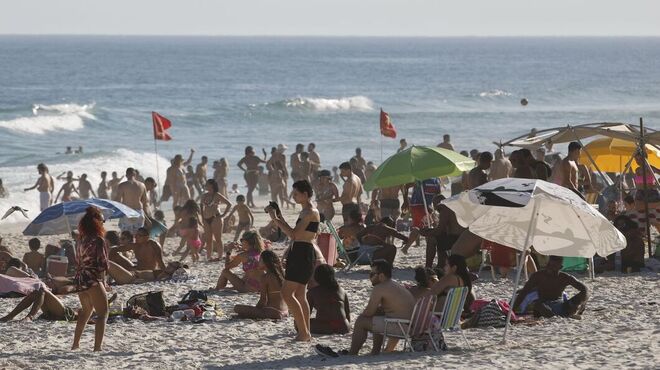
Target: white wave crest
{"points": [[58, 117], [15, 179], [494, 93], [361, 103]]}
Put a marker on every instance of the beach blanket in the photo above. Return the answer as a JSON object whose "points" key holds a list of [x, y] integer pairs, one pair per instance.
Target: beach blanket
{"points": [[20, 285]]}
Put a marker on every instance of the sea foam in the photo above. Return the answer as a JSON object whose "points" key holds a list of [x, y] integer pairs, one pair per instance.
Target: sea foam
{"points": [[350, 103], [46, 118]]}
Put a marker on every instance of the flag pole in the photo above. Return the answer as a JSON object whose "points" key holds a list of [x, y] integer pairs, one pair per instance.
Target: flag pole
{"points": [[381, 136]]}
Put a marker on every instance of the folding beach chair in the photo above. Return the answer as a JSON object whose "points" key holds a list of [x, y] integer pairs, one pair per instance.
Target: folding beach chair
{"points": [[340, 244], [450, 317], [419, 323]]}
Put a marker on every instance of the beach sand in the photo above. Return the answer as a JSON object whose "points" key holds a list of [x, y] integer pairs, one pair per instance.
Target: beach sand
{"points": [[620, 329]]}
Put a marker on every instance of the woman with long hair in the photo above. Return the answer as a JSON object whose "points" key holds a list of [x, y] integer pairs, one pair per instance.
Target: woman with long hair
{"points": [[270, 305], [333, 313], [189, 210], [301, 256], [252, 245], [250, 172], [209, 206], [456, 275], [92, 264]]}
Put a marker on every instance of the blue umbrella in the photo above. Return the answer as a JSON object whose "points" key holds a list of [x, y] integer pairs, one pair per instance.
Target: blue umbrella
{"points": [[61, 218]]}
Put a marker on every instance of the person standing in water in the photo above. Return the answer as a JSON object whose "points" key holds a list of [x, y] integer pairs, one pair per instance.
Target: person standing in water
{"points": [[251, 172], [301, 256], [85, 187], [44, 185], [102, 190]]}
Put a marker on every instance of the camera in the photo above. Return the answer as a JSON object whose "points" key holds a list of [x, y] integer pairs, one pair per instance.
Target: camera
{"points": [[274, 206]]}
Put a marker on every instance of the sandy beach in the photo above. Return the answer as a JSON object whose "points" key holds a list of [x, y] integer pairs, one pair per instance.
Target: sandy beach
{"points": [[620, 329]]}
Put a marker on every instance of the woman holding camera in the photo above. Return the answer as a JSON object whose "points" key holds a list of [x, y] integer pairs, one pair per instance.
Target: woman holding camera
{"points": [[301, 256]]}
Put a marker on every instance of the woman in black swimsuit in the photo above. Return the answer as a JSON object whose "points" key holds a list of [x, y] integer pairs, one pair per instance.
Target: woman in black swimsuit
{"points": [[209, 204], [301, 256], [456, 276]]}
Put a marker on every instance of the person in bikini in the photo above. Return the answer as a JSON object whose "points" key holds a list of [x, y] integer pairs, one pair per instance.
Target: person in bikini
{"points": [[45, 185], [270, 304], [456, 275], [67, 189], [210, 209], [301, 256], [250, 167], [252, 245], [327, 194], [333, 313], [190, 232]]}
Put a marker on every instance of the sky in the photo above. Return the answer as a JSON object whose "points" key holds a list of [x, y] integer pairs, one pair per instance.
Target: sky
{"points": [[333, 17]]}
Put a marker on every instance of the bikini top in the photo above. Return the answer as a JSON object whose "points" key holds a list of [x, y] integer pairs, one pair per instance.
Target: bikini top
{"points": [[312, 226], [252, 262], [639, 180]]}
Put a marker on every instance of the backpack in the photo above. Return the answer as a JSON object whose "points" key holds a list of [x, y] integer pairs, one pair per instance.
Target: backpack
{"points": [[152, 302], [193, 296], [491, 315]]}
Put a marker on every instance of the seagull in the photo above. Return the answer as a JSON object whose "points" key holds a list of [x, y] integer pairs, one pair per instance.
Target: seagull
{"points": [[14, 209]]}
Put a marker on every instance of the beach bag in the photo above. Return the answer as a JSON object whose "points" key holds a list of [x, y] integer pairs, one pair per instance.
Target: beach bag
{"points": [[152, 302], [491, 315]]}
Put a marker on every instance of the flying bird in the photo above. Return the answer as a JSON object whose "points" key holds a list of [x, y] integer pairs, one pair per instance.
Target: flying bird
{"points": [[15, 209]]}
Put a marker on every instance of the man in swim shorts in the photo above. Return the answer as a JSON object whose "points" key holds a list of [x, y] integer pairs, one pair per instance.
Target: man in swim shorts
{"points": [[44, 185], [133, 194], [351, 191]]}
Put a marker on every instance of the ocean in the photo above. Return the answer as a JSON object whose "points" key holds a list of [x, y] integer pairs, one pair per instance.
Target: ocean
{"points": [[224, 93]]}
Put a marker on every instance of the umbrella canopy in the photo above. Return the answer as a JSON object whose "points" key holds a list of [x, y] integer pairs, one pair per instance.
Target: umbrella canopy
{"points": [[612, 155], [570, 133], [520, 212], [63, 217], [418, 163]]}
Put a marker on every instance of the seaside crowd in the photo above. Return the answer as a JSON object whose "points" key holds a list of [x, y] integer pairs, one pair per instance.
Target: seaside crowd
{"points": [[300, 281]]}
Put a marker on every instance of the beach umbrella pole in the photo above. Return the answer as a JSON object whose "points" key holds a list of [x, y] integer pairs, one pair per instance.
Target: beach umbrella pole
{"points": [[426, 207], [523, 259], [644, 169]]}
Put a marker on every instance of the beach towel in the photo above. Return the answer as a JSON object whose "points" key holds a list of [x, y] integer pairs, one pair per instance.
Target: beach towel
{"points": [[20, 285]]}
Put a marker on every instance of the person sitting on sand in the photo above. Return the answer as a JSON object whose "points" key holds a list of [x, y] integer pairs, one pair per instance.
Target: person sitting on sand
{"points": [[245, 216], [252, 245], [123, 276], [333, 313], [148, 252], [33, 259], [425, 278], [270, 305], [545, 288], [388, 299], [456, 275], [182, 215], [379, 235], [114, 242]]}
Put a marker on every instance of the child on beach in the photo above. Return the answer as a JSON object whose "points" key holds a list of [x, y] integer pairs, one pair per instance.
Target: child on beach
{"points": [[33, 259], [245, 216], [190, 232]]}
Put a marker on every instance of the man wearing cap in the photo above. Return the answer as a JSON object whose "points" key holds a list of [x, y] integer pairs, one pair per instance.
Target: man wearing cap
{"points": [[326, 194]]}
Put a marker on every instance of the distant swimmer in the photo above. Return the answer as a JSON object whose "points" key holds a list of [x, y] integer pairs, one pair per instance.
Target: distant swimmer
{"points": [[524, 102]]}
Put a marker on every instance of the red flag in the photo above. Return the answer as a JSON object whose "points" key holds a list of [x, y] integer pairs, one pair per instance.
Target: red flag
{"points": [[161, 124], [387, 129]]}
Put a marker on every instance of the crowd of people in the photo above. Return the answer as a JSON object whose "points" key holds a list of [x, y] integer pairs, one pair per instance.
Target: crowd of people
{"points": [[299, 282]]}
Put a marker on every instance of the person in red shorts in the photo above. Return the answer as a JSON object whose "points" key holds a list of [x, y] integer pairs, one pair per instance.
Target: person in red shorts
{"points": [[416, 203]]}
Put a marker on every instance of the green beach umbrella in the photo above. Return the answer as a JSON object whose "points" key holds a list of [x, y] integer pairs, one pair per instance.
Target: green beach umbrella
{"points": [[418, 163]]}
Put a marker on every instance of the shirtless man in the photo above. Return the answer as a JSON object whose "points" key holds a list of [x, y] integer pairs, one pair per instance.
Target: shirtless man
{"points": [[250, 167], [133, 194], [102, 190], [501, 167], [359, 164], [201, 174], [44, 185], [152, 194], [178, 184], [295, 162], [402, 145], [569, 168], [114, 182], [351, 192], [388, 299], [478, 175], [388, 200], [85, 187], [314, 159], [148, 252], [381, 234], [549, 285], [446, 142], [278, 156], [67, 189], [369, 170]]}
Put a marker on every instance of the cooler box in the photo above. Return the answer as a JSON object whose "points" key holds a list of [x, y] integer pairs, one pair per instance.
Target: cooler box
{"points": [[328, 246], [57, 265]]}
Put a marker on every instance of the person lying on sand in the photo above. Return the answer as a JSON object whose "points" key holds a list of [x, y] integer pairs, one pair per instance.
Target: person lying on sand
{"points": [[123, 276], [53, 309], [545, 289], [333, 314], [252, 245], [270, 305], [388, 299]]}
